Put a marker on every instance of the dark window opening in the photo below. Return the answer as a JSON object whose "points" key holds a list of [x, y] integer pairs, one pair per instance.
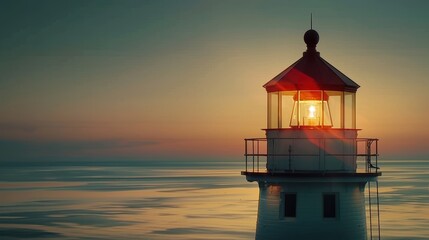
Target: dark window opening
{"points": [[290, 205], [329, 205]]}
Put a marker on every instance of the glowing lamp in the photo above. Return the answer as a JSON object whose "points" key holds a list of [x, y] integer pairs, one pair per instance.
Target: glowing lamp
{"points": [[311, 109]]}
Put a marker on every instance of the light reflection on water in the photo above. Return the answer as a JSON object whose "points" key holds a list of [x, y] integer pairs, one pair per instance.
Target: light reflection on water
{"points": [[180, 200]]}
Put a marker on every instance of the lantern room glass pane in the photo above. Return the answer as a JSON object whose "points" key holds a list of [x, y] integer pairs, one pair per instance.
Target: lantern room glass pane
{"points": [[327, 119], [287, 107], [273, 110], [349, 110], [334, 105]]}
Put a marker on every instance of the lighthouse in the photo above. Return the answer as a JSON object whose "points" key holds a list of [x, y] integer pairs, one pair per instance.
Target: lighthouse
{"points": [[317, 179]]}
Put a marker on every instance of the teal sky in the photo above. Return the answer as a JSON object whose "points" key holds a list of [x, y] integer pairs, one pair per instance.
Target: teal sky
{"points": [[145, 79]]}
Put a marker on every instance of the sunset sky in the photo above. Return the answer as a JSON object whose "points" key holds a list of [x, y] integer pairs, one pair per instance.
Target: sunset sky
{"points": [[183, 79]]}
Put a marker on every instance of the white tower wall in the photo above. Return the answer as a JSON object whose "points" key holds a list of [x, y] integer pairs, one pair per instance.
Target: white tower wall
{"points": [[309, 222]]}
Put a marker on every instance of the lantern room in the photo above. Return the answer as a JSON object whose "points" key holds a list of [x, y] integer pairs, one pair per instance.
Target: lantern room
{"points": [[311, 93], [311, 108]]}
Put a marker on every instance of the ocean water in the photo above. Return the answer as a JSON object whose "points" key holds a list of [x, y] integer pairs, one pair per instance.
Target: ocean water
{"points": [[172, 200]]}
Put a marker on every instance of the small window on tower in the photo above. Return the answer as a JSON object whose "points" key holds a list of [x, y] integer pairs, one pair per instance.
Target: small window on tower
{"points": [[330, 205], [290, 205]]}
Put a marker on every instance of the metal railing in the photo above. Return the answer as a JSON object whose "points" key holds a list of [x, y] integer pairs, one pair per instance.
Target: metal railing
{"points": [[363, 150]]}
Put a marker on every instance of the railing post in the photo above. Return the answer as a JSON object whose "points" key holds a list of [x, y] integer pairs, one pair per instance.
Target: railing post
{"points": [[257, 157], [368, 155], [245, 151], [356, 153], [376, 157], [253, 154]]}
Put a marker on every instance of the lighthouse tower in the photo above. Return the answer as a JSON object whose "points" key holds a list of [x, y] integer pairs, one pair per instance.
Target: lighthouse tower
{"points": [[311, 168]]}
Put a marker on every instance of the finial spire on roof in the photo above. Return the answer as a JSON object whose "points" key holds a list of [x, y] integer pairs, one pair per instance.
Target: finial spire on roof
{"points": [[311, 38]]}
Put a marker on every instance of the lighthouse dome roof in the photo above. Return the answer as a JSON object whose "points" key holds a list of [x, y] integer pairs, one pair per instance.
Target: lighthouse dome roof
{"points": [[311, 72]]}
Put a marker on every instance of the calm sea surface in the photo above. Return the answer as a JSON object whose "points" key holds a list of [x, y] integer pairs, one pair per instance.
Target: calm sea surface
{"points": [[172, 200]]}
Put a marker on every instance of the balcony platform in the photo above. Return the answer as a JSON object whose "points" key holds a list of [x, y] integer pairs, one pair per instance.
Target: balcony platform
{"points": [[313, 176]]}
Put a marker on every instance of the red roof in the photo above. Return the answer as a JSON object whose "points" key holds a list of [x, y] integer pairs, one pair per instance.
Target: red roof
{"points": [[311, 72]]}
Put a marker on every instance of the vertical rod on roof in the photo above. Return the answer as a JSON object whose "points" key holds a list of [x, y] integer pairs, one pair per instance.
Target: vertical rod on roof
{"points": [[311, 20]]}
